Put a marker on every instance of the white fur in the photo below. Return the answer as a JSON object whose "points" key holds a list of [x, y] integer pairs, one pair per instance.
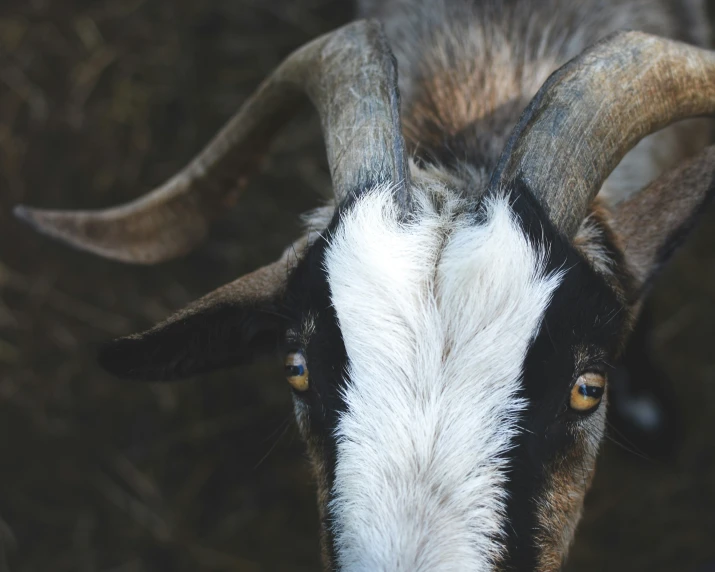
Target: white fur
{"points": [[437, 315]]}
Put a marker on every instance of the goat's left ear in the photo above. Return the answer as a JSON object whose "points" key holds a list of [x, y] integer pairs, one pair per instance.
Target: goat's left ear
{"points": [[650, 225], [225, 328]]}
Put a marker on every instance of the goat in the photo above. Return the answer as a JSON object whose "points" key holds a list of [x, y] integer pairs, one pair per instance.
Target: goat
{"points": [[449, 329]]}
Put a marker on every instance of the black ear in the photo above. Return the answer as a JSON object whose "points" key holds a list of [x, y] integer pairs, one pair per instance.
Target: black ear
{"points": [[652, 224], [225, 328]]}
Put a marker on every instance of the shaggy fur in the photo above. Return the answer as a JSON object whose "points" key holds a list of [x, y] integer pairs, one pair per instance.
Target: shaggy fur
{"points": [[467, 68]]}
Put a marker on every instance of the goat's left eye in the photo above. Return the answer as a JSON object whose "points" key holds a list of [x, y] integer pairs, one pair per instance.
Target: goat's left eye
{"points": [[297, 371], [587, 392]]}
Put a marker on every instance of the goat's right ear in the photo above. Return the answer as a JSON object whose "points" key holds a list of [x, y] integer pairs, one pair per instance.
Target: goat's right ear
{"points": [[225, 328], [650, 225]]}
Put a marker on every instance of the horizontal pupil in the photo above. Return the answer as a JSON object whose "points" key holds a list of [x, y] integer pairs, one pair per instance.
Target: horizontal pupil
{"points": [[295, 370], [590, 391]]}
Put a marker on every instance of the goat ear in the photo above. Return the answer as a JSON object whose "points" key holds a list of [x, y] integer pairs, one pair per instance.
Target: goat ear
{"points": [[225, 328], [652, 224]]}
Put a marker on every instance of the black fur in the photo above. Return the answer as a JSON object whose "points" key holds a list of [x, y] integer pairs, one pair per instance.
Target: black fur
{"points": [[584, 312], [308, 297], [217, 337]]}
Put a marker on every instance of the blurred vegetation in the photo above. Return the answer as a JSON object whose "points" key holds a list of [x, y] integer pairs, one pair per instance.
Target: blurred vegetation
{"points": [[100, 100]]}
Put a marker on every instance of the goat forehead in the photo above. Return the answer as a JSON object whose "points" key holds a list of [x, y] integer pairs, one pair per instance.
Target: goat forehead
{"points": [[436, 316]]}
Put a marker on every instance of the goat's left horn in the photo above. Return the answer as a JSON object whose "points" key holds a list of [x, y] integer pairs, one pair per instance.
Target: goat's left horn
{"points": [[593, 110], [350, 76]]}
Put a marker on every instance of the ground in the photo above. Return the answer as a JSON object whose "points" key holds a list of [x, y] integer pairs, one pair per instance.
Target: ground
{"points": [[98, 102]]}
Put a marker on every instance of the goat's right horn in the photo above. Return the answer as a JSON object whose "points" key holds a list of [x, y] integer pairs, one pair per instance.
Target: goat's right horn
{"points": [[593, 110], [350, 76]]}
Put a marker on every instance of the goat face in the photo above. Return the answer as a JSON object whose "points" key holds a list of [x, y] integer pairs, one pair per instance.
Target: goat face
{"points": [[447, 355], [442, 354]]}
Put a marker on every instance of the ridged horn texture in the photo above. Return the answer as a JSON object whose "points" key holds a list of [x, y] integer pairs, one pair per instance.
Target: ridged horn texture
{"points": [[593, 110], [349, 75]]}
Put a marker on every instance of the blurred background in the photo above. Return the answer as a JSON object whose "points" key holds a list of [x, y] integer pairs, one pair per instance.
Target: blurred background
{"points": [[101, 100]]}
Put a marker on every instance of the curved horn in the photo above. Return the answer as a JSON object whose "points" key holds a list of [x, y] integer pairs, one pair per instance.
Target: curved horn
{"points": [[593, 110], [349, 75]]}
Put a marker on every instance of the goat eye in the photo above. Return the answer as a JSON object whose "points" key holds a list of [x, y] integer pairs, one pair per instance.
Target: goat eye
{"points": [[297, 371], [587, 392]]}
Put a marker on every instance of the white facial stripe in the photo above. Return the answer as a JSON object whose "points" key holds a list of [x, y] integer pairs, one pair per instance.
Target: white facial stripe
{"points": [[437, 316]]}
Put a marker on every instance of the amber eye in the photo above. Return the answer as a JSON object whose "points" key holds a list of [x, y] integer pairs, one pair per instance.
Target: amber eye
{"points": [[587, 392], [297, 371]]}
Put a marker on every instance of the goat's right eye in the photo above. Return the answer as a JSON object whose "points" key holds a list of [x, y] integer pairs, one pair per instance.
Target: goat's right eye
{"points": [[297, 371], [587, 392]]}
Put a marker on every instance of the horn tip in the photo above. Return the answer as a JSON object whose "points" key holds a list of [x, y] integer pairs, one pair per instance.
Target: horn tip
{"points": [[46, 222], [35, 218], [24, 214]]}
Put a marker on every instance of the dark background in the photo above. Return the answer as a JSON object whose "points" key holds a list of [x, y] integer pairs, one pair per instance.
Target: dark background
{"points": [[101, 100]]}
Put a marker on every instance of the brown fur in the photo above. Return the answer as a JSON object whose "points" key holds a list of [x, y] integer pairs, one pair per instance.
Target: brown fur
{"points": [[561, 503], [467, 68], [321, 479]]}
